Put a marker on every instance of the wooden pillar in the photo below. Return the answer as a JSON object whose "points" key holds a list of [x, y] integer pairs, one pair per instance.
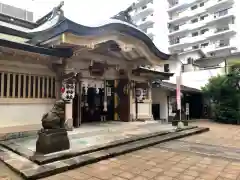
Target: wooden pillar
{"points": [[77, 108], [122, 100]]}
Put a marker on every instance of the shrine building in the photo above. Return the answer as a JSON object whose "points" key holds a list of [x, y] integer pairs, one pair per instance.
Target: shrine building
{"points": [[108, 61]]}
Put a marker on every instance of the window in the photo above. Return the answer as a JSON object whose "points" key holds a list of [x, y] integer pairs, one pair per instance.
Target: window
{"points": [[195, 47], [223, 43], [203, 17], [203, 31], [194, 20], [201, 4], [203, 45], [166, 67], [182, 68], [175, 41], [32, 87], [194, 7], [176, 28], [194, 34], [14, 85], [5, 85], [212, 54], [11, 85], [189, 60], [21, 85], [220, 29], [221, 13]]}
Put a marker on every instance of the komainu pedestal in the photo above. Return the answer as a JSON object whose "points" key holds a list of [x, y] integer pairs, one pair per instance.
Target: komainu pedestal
{"points": [[53, 136], [52, 140]]}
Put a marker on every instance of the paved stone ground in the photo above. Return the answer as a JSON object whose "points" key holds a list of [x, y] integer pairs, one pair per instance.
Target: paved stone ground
{"points": [[168, 161], [219, 134]]}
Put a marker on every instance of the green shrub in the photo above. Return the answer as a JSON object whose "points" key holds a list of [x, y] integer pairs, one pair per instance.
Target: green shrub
{"points": [[224, 94]]}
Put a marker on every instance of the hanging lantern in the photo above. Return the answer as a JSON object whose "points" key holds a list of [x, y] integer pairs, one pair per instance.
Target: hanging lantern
{"points": [[62, 90]]}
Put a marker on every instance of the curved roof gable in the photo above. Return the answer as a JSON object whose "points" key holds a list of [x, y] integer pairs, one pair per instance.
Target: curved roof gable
{"points": [[58, 24], [55, 24], [77, 29]]}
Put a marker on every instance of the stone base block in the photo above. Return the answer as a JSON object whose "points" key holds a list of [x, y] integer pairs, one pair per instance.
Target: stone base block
{"points": [[175, 122], [50, 141]]}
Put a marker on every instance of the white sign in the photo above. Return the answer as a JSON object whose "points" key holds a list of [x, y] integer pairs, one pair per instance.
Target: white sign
{"points": [[187, 108], [109, 92]]}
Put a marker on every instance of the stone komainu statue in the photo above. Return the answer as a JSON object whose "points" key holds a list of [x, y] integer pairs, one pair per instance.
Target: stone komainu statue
{"points": [[53, 137], [55, 119]]}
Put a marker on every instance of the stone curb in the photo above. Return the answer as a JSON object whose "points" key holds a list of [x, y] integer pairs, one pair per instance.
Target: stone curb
{"points": [[55, 157], [64, 165]]}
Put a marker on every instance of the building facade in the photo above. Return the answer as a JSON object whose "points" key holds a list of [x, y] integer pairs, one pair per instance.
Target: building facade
{"points": [[110, 80], [209, 26], [199, 29], [151, 17]]}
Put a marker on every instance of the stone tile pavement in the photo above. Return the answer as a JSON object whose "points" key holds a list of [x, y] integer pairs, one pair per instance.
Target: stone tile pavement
{"points": [[220, 134], [158, 163]]}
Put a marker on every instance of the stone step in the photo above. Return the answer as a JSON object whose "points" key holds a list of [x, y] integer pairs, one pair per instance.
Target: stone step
{"points": [[30, 170]]}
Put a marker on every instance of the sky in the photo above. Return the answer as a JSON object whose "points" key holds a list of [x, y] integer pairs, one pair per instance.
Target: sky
{"points": [[88, 12]]}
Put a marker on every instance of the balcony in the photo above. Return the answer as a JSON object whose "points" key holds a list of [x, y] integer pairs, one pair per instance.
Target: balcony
{"points": [[181, 30], [178, 44], [193, 26], [190, 27], [146, 23], [218, 47], [177, 7], [187, 14], [223, 15], [141, 13], [151, 35], [226, 32], [192, 13], [141, 3], [196, 39], [178, 18], [214, 5]]}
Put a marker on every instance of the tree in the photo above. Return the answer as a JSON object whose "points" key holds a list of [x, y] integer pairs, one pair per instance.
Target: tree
{"points": [[224, 94]]}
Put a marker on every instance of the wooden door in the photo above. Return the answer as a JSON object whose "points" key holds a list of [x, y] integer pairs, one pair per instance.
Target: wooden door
{"points": [[122, 100]]}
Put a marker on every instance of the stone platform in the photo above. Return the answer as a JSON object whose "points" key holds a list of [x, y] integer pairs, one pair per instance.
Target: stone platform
{"points": [[20, 154]]}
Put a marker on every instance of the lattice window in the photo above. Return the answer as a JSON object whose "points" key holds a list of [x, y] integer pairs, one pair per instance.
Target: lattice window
{"points": [[16, 85]]}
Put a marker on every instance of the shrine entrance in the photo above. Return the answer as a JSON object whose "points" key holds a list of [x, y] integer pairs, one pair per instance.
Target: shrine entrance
{"points": [[88, 104]]}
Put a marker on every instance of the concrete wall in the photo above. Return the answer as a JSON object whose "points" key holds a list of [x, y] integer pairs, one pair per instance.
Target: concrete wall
{"points": [[197, 79], [18, 114], [25, 110], [159, 96]]}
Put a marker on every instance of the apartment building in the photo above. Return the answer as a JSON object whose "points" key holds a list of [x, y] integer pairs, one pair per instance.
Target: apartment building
{"points": [[142, 14], [202, 28], [15, 12], [148, 16]]}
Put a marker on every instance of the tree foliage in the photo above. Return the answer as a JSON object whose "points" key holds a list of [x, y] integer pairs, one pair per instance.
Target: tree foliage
{"points": [[224, 94]]}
